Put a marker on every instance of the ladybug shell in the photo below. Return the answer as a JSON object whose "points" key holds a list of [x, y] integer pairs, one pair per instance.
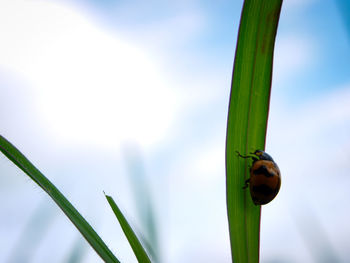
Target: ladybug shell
{"points": [[265, 181]]}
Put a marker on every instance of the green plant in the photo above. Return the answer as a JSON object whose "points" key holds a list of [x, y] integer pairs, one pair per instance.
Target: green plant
{"points": [[246, 130], [247, 120], [80, 223]]}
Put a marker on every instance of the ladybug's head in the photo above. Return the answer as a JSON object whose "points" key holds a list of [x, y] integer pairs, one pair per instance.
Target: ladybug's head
{"points": [[263, 155]]}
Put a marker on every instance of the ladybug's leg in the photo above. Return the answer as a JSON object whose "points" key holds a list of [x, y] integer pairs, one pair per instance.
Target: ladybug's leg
{"points": [[246, 183], [246, 156], [242, 156]]}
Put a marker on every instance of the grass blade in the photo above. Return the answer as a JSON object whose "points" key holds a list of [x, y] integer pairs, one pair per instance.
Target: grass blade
{"points": [[32, 234], [143, 199], [247, 120], [77, 252], [81, 224], [135, 244]]}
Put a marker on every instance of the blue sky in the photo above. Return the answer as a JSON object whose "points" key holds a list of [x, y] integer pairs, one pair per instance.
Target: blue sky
{"points": [[83, 80]]}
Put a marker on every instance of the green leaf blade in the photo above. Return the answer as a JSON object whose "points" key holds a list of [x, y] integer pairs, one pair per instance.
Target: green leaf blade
{"points": [[247, 120], [143, 199], [135, 244], [12, 153]]}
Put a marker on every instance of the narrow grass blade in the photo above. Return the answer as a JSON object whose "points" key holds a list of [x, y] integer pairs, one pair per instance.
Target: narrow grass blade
{"points": [[247, 120], [77, 252], [143, 200], [81, 224], [32, 234], [344, 7], [135, 244]]}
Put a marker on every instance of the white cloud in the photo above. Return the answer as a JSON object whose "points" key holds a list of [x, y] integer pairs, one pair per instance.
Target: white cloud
{"points": [[173, 31], [90, 86]]}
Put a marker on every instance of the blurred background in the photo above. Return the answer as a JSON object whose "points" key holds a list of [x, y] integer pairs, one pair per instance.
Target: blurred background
{"points": [[131, 98]]}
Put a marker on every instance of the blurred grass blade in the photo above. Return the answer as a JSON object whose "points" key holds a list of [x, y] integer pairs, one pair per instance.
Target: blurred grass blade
{"points": [[77, 252], [247, 120], [344, 7], [32, 234], [135, 244], [81, 224], [316, 238], [149, 248], [143, 200]]}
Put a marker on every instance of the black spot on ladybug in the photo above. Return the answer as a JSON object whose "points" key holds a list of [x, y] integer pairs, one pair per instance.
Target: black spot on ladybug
{"points": [[263, 189], [263, 170]]}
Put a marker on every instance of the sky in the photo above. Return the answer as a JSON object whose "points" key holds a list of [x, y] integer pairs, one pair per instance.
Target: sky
{"points": [[86, 85]]}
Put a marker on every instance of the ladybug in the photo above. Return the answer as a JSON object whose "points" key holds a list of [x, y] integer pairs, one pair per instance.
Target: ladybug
{"points": [[265, 178]]}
